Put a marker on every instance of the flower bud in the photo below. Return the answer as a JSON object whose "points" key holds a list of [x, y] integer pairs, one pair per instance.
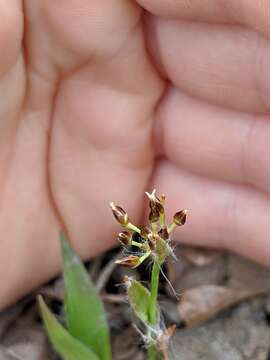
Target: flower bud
{"points": [[163, 233], [145, 232], [129, 261], [152, 239], [162, 199], [153, 216], [125, 238], [180, 218], [155, 203], [120, 215]]}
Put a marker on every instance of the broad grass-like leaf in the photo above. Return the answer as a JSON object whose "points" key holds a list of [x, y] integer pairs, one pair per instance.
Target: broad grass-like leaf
{"points": [[84, 312], [139, 299], [64, 344]]}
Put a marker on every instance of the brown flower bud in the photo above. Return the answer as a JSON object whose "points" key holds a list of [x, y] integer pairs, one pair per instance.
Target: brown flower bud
{"points": [[180, 218], [153, 216], [158, 207], [129, 261], [145, 232], [125, 238], [162, 199], [163, 233], [120, 215], [155, 203], [152, 239], [152, 245]]}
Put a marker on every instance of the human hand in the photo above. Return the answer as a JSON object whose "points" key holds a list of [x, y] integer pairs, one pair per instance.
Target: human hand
{"points": [[100, 103]]}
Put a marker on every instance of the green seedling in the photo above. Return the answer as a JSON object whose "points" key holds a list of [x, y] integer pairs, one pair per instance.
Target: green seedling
{"points": [[153, 243], [85, 334]]}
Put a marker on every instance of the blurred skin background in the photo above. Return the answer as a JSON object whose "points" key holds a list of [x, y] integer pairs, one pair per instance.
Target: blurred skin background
{"points": [[102, 100]]}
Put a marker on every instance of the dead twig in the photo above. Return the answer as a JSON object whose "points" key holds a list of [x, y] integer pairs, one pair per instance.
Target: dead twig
{"points": [[106, 273]]}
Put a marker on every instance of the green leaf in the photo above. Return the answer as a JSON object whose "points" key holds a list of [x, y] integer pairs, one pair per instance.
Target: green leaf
{"points": [[85, 315], [139, 299], [64, 344]]}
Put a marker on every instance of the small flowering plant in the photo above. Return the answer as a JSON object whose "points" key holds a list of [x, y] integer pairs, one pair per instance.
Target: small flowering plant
{"points": [[151, 242], [84, 333]]}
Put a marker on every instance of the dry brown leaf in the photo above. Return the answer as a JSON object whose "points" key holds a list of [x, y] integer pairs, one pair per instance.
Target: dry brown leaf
{"points": [[123, 345], [199, 256], [199, 304], [245, 274], [183, 275], [8, 317]]}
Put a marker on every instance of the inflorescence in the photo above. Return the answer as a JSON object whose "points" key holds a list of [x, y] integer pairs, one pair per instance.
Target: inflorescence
{"points": [[152, 241]]}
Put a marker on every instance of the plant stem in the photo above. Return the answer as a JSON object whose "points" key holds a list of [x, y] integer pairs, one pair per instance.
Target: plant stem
{"points": [[152, 353], [162, 220], [132, 227], [154, 293], [135, 243], [171, 227]]}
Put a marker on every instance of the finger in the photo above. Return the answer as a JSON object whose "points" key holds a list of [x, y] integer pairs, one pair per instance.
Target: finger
{"points": [[222, 65], [12, 79], [244, 12], [64, 35], [91, 157], [110, 143], [213, 141], [11, 30], [221, 215]]}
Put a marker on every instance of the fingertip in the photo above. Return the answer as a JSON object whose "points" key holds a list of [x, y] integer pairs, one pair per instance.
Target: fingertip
{"points": [[11, 34], [254, 14], [223, 215]]}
